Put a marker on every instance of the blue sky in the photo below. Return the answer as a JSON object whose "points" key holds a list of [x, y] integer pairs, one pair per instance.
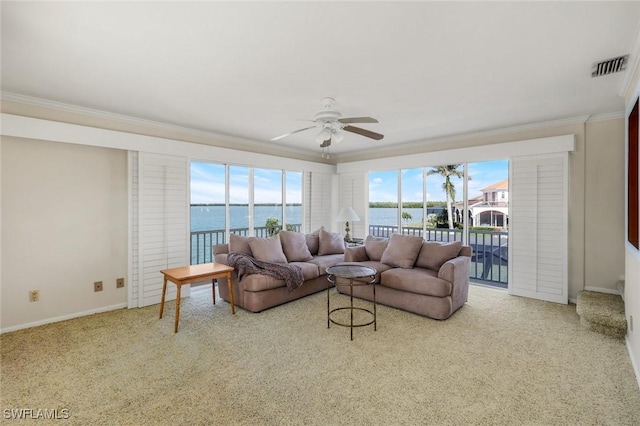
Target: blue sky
{"points": [[207, 183], [383, 186]]}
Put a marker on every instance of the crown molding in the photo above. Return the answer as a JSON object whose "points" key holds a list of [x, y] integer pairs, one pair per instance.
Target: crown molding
{"points": [[392, 150], [606, 116], [215, 139]]}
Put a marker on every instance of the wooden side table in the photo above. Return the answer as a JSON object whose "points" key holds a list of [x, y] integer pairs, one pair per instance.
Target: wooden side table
{"points": [[193, 274]]}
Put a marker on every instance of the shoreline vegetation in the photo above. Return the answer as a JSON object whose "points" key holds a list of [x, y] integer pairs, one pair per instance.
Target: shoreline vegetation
{"points": [[373, 204]]}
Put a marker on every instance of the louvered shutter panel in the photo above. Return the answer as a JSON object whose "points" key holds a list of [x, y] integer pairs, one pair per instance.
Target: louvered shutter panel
{"points": [[538, 230], [320, 201], [163, 234]]}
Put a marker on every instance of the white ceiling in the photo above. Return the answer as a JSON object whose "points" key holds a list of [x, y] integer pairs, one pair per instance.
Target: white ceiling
{"points": [[255, 70]]}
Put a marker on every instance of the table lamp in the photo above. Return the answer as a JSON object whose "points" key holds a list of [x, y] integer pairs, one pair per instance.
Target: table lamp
{"points": [[346, 215]]}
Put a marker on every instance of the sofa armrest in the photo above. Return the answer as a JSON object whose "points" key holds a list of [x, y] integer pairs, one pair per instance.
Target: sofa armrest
{"points": [[220, 248], [456, 271], [220, 253], [355, 254]]}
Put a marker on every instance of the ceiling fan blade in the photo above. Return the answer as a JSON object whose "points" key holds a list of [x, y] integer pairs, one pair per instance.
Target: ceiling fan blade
{"points": [[357, 120], [363, 132], [326, 143], [291, 133]]}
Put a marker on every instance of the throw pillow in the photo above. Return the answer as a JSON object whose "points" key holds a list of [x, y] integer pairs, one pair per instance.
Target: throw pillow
{"points": [[434, 254], [375, 246], [313, 241], [239, 244], [294, 245], [330, 242], [402, 251], [267, 249]]}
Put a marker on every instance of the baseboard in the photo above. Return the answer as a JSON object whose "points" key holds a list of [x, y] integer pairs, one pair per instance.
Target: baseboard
{"points": [[63, 318], [603, 290], [636, 368]]}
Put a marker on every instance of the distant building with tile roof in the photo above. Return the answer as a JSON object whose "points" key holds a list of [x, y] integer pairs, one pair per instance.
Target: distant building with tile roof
{"points": [[492, 207]]}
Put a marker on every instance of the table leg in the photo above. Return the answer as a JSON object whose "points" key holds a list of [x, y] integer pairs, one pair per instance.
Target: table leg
{"points": [[351, 291], [375, 316], [213, 290], [164, 291], [175, 328], [328, 320], [230, 287]]}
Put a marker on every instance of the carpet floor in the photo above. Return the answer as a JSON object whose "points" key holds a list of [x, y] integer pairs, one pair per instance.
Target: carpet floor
{"points": [[500, 360]]}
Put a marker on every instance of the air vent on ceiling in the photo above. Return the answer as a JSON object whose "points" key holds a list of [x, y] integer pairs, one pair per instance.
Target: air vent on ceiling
{"points": [[609, 66]]}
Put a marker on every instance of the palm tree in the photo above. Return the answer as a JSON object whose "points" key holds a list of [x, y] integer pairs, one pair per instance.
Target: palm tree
{"points": [[448, 187]]}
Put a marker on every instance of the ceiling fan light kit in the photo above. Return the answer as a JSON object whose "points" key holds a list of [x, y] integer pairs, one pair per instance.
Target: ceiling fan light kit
{"points": [[331, 124]]}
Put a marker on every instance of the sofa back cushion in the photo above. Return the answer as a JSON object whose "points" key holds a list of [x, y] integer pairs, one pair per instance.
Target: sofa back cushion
{"points": [[402, 250], [330, 243], [294, 245], [313, 241], [239, 244], [375, 246], [267, 249], [434, 254]]}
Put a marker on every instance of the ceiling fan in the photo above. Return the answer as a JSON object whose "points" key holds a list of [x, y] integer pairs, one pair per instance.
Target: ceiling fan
{"points": [[331, 124]]}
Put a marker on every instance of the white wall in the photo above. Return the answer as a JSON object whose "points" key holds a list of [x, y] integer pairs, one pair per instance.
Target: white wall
{"points": [[64, 226], [604, 204]]}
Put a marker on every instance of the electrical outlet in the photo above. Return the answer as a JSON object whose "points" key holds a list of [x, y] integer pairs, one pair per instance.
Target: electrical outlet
{"points": [[120, 283], [97, 286], [34, 295]]}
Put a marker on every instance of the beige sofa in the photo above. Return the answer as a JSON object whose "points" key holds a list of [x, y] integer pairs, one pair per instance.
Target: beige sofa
{"points": [[312, 253], [424, 277]]}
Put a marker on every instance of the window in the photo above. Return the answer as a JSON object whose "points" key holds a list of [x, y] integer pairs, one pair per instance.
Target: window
{"points": [[293, 201], [267, 204], [240, 200], [208, 204], [383, 203], [239, 216]]}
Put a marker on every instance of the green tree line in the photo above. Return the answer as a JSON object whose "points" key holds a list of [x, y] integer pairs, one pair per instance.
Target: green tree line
{"points": [[405, 205]]}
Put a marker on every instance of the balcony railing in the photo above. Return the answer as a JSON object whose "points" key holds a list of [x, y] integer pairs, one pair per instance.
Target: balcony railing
{"points": [[202, 242], [490, 257]]}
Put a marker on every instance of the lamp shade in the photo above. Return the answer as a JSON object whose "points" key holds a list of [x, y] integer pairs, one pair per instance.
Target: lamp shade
{"points": [[347, 214]]}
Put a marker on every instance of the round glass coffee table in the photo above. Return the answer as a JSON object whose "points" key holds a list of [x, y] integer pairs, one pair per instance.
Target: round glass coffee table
{"points": [[357, 275]]}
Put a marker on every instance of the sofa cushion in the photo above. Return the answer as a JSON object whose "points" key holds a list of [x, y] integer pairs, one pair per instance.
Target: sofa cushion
{"points": [[330, 243], [434, 254], [416, 280], [313, 241], [309, 270], [402, 250], [375, 246], [294, 245], [239, 244], [323, 262], [267, 249], [379, 267]]}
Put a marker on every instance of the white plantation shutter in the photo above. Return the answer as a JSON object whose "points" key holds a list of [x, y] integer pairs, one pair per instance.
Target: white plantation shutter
{"points": [[538, 227], [160, 224], [353, 194], [319, 201]]}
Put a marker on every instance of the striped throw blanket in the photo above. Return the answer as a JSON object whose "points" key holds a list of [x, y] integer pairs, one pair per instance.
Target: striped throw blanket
{"points": [[247, 265]]}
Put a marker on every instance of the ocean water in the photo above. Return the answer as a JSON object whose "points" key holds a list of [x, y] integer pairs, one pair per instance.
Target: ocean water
{"points": [[207, 218]]}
